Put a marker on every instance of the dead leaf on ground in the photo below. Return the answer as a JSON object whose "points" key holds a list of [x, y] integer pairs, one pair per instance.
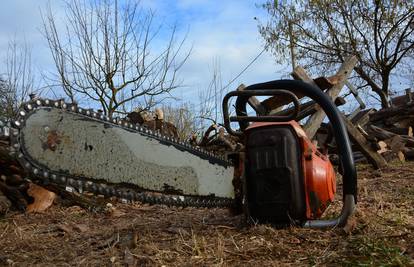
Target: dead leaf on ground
{"points": [[76, 209], [350, 225], [114, 212], [81, 227], [64, 228], [43, 198], [70, 228]]}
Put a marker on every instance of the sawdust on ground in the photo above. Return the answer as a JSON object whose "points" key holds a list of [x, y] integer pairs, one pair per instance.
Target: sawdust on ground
{"points": [[381, 233]]}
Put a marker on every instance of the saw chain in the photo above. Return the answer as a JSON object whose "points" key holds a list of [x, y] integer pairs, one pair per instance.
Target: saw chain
{"points": [[124, 192]]}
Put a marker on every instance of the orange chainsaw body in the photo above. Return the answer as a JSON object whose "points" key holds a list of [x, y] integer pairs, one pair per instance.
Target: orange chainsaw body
{"points": [[285, 179], [317, 173]]}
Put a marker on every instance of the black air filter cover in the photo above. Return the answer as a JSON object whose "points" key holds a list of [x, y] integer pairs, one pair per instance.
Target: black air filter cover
{"points": [[274, 176]]}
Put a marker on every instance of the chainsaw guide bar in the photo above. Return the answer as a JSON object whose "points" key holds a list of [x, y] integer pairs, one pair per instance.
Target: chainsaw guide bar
{"points": [[76, 148]]}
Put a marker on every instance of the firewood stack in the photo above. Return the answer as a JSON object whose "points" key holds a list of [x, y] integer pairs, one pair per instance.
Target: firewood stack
{"points": [[393, 129], [389, 131], [217, 140], [12, 186], [153, 121]]}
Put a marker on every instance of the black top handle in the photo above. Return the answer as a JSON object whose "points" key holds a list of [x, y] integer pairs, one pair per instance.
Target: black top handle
{"points": [[242, 117], [340, 133]]}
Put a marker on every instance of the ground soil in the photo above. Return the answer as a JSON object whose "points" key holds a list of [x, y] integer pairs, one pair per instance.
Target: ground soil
{"points": [[380, 233]]}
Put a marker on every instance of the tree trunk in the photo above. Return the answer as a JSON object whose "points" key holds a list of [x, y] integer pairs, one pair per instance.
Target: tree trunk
{"points": [[374, 86], [384, 99]]}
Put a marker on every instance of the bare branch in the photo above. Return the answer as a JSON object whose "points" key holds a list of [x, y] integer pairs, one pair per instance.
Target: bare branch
{"points": [[109, 54]]}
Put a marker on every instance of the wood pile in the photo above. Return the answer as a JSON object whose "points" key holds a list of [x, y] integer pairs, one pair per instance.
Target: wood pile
{"points": [[388, 131], [154, 121], [217, 140], [392, 129]]}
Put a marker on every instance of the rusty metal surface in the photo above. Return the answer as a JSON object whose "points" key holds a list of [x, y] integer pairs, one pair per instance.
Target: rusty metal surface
{"points": [[66, 142]]}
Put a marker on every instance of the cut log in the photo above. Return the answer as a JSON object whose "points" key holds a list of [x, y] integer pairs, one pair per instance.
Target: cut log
{"points": [[327, 82], [383, 147], [395, 143], [254, 102], [307, 109], [164, 127], [135, 117], [400, 120], [398, 130], [392, 148], [382, 134], [364, 146], [316, 119], [206, 136], [394, 111], [275, 103], [221, 136], [362, 117], [401, 156], [300, 73]]}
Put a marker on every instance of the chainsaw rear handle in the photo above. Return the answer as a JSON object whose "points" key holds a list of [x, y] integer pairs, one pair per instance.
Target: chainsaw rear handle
{"points": [[340, 133], [244, 120]]}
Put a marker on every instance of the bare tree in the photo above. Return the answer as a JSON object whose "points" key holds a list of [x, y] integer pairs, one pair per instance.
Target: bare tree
{"points": [[193, 120], [108, 54], [183, 118], [17, 80], [323, 33], [209, 108]]}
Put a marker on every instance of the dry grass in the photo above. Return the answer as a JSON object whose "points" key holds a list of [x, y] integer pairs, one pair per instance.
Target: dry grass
{"points": [[381, 234]]}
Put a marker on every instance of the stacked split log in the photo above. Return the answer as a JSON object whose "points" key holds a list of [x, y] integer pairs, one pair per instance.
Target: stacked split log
{"points": [[153, 121], [387, 131], [218, 141], [12, 186], [392, 128]]}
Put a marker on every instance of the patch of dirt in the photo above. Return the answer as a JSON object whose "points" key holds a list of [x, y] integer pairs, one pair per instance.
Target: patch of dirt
{"points": [[380, 233]]}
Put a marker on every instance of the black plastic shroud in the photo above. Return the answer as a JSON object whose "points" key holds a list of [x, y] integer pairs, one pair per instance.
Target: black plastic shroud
{"points": [[274, 176]]}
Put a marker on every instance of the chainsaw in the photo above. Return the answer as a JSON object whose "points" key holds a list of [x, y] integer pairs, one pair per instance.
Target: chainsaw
{"points": [[279, 177]]}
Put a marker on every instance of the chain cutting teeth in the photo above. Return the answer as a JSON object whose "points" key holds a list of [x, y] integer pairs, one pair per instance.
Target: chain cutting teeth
{"points": [[81, 184]]}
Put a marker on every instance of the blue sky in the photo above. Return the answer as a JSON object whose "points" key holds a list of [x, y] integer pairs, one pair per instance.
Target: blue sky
{"points": [[223, 31]]}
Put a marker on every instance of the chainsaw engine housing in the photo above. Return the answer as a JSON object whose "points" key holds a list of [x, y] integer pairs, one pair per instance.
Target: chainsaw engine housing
{"points": [[287, 180]]}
